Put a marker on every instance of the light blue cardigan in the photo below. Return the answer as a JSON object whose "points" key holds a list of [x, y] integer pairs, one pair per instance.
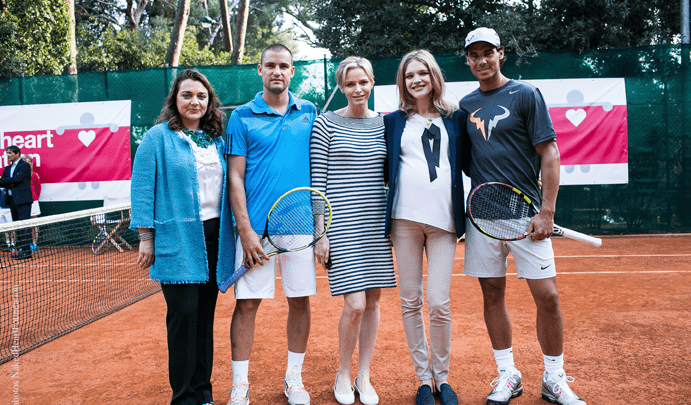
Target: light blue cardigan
{"points": [[165, 196]]}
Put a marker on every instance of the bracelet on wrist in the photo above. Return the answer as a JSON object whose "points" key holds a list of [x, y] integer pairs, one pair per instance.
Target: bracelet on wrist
{"points": [[146, 235]]}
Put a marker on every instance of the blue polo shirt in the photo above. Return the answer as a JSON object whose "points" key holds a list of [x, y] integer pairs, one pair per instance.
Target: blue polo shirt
{"points": [[276, 148]]}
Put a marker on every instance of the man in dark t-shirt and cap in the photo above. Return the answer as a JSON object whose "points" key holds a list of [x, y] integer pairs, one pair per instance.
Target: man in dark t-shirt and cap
{"points": [[512, 141]]}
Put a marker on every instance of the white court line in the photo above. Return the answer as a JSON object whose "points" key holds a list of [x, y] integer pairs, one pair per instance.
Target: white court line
{"points": [[76, 265], [71, 281], [603, 256], [674, 255], [576, 272], [457, 258], [326, 277]]}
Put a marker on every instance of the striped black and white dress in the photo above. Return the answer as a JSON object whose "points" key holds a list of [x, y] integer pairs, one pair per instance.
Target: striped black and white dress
{"points": [[347, 165]]}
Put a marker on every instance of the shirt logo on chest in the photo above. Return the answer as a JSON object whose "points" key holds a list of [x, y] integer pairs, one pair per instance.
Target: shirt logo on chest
{"points": [[480, 123]]}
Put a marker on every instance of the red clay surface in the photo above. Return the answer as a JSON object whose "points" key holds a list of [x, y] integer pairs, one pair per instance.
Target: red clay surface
{"points": [[627, 320]]}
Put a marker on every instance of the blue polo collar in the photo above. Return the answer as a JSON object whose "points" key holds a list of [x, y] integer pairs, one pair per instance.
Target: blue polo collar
{"points": [[259, 106]]}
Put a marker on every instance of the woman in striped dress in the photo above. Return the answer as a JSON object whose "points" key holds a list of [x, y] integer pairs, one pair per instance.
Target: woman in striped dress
{"points": [[347, 153]]}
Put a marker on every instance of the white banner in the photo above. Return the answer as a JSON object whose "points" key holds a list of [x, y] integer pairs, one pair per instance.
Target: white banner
{"points": [[589, 117]]}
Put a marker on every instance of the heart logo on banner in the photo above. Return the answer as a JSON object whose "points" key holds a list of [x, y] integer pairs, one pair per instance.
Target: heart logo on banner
{"points": [[88, 136], [575, 116]]}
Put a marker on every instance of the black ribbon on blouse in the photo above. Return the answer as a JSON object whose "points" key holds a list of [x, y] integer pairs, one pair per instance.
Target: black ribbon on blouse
{"points": [[431, 154]]}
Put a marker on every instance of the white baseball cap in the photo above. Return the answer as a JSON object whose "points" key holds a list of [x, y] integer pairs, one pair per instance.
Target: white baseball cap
{"points": [[482, 34]]}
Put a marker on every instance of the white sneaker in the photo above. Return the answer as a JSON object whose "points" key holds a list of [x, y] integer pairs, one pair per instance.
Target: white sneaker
{"points": [[508, 385], [559, 392], [295, 390], [239, 394]]}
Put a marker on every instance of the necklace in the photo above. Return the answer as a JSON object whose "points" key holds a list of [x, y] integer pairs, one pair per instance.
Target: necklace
{"points": [[199, 137]]}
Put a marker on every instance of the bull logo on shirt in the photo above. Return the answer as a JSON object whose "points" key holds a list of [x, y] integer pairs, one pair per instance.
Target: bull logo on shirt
{"points": [[480, 123]]}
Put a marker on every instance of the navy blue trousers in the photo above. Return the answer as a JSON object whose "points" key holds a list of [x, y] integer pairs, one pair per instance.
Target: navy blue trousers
{"points": [[20, 212]]}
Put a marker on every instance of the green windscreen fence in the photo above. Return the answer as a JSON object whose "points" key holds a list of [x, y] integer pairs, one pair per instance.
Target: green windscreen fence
{"points": [[658, 92]]}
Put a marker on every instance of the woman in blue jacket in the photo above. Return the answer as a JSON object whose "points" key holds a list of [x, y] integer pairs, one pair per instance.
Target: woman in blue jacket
{"points": [[425, 212], [177, 183]]}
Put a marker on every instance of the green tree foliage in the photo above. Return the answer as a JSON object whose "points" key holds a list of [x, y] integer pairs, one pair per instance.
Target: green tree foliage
{"points": [[395, 27], [267, 24], [104, 45], [33, 37], [583, 25], [94, 17], [123, 49], [142, 48], [390, 28]]}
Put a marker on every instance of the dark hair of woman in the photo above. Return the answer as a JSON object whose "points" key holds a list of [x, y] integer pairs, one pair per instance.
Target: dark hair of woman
{"points": [[211, 122]]}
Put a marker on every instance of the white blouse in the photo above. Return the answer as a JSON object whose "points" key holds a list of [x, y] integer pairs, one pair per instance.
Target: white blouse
{"points": [[210, 178], [418, 198]]}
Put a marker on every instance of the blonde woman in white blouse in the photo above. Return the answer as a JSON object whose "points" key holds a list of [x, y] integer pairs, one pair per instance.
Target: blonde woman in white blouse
{"points": [[425, 213]]}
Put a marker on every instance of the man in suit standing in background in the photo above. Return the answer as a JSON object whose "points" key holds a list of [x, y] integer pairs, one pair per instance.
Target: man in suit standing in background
{"points": [[17, 179]]}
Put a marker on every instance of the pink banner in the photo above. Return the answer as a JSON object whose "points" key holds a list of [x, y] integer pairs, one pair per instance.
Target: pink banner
{"points": [[591, 135], [78, 155], [81, 151]]}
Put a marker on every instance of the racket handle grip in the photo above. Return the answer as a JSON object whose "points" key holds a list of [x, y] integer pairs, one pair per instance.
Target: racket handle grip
{"points": [[568, 233], [224, 286]]}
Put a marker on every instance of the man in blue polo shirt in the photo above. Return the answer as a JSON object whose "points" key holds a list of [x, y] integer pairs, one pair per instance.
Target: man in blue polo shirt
{"points": [[268, 154]]}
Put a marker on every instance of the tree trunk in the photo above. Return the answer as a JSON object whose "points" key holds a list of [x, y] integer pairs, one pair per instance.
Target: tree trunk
{"points": [[134, 15], [225, 20], [71, 68], [240, 30], [177, 35]]}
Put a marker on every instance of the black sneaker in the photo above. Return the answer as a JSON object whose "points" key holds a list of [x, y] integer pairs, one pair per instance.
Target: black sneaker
{"points": [[22, 255]]}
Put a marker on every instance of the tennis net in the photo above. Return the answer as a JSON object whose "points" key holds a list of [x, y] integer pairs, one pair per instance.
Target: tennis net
{"points": [[82, 270]]}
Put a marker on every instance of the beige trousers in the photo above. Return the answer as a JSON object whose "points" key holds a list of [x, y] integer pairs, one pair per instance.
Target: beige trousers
{"points": [[409, 240]]}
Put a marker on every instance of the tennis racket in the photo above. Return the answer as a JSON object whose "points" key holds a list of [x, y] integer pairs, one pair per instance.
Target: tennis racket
{"points": [[101, 243], [296, 221], [503, 212]]}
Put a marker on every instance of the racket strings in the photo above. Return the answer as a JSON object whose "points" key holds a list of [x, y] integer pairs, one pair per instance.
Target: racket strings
{"points": [[500, 211], [294, 221]]}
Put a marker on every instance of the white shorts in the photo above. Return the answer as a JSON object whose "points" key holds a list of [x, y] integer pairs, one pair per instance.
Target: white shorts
{"points": [[485, 257], [5, 215], [298, 274], [35, 210]]}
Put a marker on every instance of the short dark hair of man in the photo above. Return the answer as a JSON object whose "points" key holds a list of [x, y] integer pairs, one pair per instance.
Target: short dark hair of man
{"points": [[277, 48], [14, 149]]}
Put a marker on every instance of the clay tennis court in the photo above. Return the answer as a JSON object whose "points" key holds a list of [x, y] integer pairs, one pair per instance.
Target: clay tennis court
{"points": [[627, 321]]}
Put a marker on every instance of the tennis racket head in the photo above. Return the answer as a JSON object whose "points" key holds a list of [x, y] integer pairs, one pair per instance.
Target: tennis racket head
{"points": [[100, 243], [298, 219], [500, 211]]}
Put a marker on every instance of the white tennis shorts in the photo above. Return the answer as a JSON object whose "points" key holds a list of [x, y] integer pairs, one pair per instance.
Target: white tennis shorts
{"points": [[5, 215], [35, 210], [298, 274], [485, 257]]}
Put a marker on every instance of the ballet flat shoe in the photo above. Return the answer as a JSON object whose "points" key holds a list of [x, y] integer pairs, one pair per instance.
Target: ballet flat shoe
{"points": [[364, 398]]}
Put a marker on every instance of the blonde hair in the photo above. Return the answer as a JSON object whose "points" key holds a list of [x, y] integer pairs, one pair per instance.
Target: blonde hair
{"points": [[353, 62], [407, 102], [28, 159]]}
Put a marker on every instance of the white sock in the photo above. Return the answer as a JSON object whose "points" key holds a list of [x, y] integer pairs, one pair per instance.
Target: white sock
{"points": [[504, 359], [295, 362], [554, 366], [240, 371]]}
